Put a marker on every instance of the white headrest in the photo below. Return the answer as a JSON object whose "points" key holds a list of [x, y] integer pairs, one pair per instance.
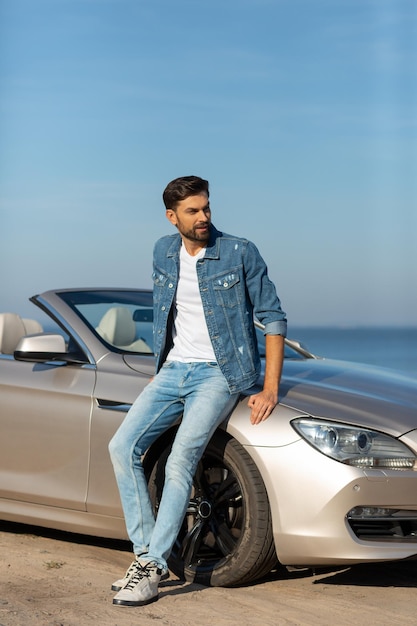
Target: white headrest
{"points": [[117, 326], [32, 326], [11, 331]]}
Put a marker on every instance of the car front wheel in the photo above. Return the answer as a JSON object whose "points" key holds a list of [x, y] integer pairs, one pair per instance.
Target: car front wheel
{"points": [[226, 537]]}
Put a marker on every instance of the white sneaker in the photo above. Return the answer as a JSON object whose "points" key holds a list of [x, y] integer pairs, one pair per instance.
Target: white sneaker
{"points": [[122, 582], [142, 587]]}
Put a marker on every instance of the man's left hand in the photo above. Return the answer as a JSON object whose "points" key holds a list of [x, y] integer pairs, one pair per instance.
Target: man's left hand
{"points": [[262, 405]]}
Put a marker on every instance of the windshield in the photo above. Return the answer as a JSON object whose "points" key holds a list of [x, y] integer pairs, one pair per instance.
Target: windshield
{"points": [[122, 319]]}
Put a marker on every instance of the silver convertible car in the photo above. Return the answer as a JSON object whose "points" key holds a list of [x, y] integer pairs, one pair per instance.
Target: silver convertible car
{"points": [[329, 479]]}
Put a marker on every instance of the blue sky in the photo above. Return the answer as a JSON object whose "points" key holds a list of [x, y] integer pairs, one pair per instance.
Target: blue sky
{"points": [[301, 113]]}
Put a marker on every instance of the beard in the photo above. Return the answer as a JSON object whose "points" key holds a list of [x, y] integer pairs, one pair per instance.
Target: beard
{"points": [[199, 233]]}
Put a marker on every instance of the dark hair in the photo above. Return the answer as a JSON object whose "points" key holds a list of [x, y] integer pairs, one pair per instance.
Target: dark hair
{"points": [[181, 188]]}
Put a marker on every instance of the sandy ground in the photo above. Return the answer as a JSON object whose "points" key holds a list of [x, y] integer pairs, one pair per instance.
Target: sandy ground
{"points": [[56, 579]]}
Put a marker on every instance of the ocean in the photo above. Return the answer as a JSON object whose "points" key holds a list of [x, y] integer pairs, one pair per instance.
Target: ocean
{"points": [[393, 348]]}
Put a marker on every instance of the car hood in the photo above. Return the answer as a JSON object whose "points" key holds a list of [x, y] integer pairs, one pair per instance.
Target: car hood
{"points": [[353, 393]]}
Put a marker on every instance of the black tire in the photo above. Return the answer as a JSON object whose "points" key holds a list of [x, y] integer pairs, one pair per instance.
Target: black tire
{"points": [[226, 537]]}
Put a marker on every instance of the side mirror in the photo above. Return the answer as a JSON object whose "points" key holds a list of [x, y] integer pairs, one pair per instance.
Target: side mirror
{"points": [[43, 348]]}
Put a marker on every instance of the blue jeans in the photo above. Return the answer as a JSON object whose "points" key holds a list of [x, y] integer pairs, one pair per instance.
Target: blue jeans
{"points": [[197, 391]]}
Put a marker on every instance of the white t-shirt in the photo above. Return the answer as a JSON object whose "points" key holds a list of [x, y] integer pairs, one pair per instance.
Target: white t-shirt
{"points": [[191, 340]]}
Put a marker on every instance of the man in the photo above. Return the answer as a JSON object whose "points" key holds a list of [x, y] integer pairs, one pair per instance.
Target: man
{"points": [[208, 286]]}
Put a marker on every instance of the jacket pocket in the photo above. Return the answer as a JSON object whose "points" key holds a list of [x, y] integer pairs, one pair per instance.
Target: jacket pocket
{"points": [[227, 289]]}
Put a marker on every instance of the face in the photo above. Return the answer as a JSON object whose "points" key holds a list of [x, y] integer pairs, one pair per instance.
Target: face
{"points": [[192, 217]]}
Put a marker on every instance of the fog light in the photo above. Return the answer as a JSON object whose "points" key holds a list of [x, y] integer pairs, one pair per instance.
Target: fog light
{"points": [[361, 512]]}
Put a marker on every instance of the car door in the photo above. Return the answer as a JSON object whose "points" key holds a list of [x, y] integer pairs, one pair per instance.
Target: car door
{"points": [[116, 389], [45, 417]]}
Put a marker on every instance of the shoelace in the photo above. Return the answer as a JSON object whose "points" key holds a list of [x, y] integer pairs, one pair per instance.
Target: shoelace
{"points": [[132, 568], [142, 571]]}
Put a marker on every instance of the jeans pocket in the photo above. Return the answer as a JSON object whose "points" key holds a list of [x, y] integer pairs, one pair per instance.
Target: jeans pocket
{"points": [[212, 364]]}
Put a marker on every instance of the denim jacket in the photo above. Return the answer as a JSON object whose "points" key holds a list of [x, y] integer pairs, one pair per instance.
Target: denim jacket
{"points": [[234, 288]]}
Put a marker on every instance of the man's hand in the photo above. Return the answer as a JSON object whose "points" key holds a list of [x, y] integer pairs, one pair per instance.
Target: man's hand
{"points": [[262, 405]]}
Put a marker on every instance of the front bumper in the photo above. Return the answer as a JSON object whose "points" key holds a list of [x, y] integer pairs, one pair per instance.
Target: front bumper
{"points": [[312, 498]]}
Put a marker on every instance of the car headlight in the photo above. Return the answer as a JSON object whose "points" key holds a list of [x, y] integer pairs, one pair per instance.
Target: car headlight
{"points": [[355, 446]]}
